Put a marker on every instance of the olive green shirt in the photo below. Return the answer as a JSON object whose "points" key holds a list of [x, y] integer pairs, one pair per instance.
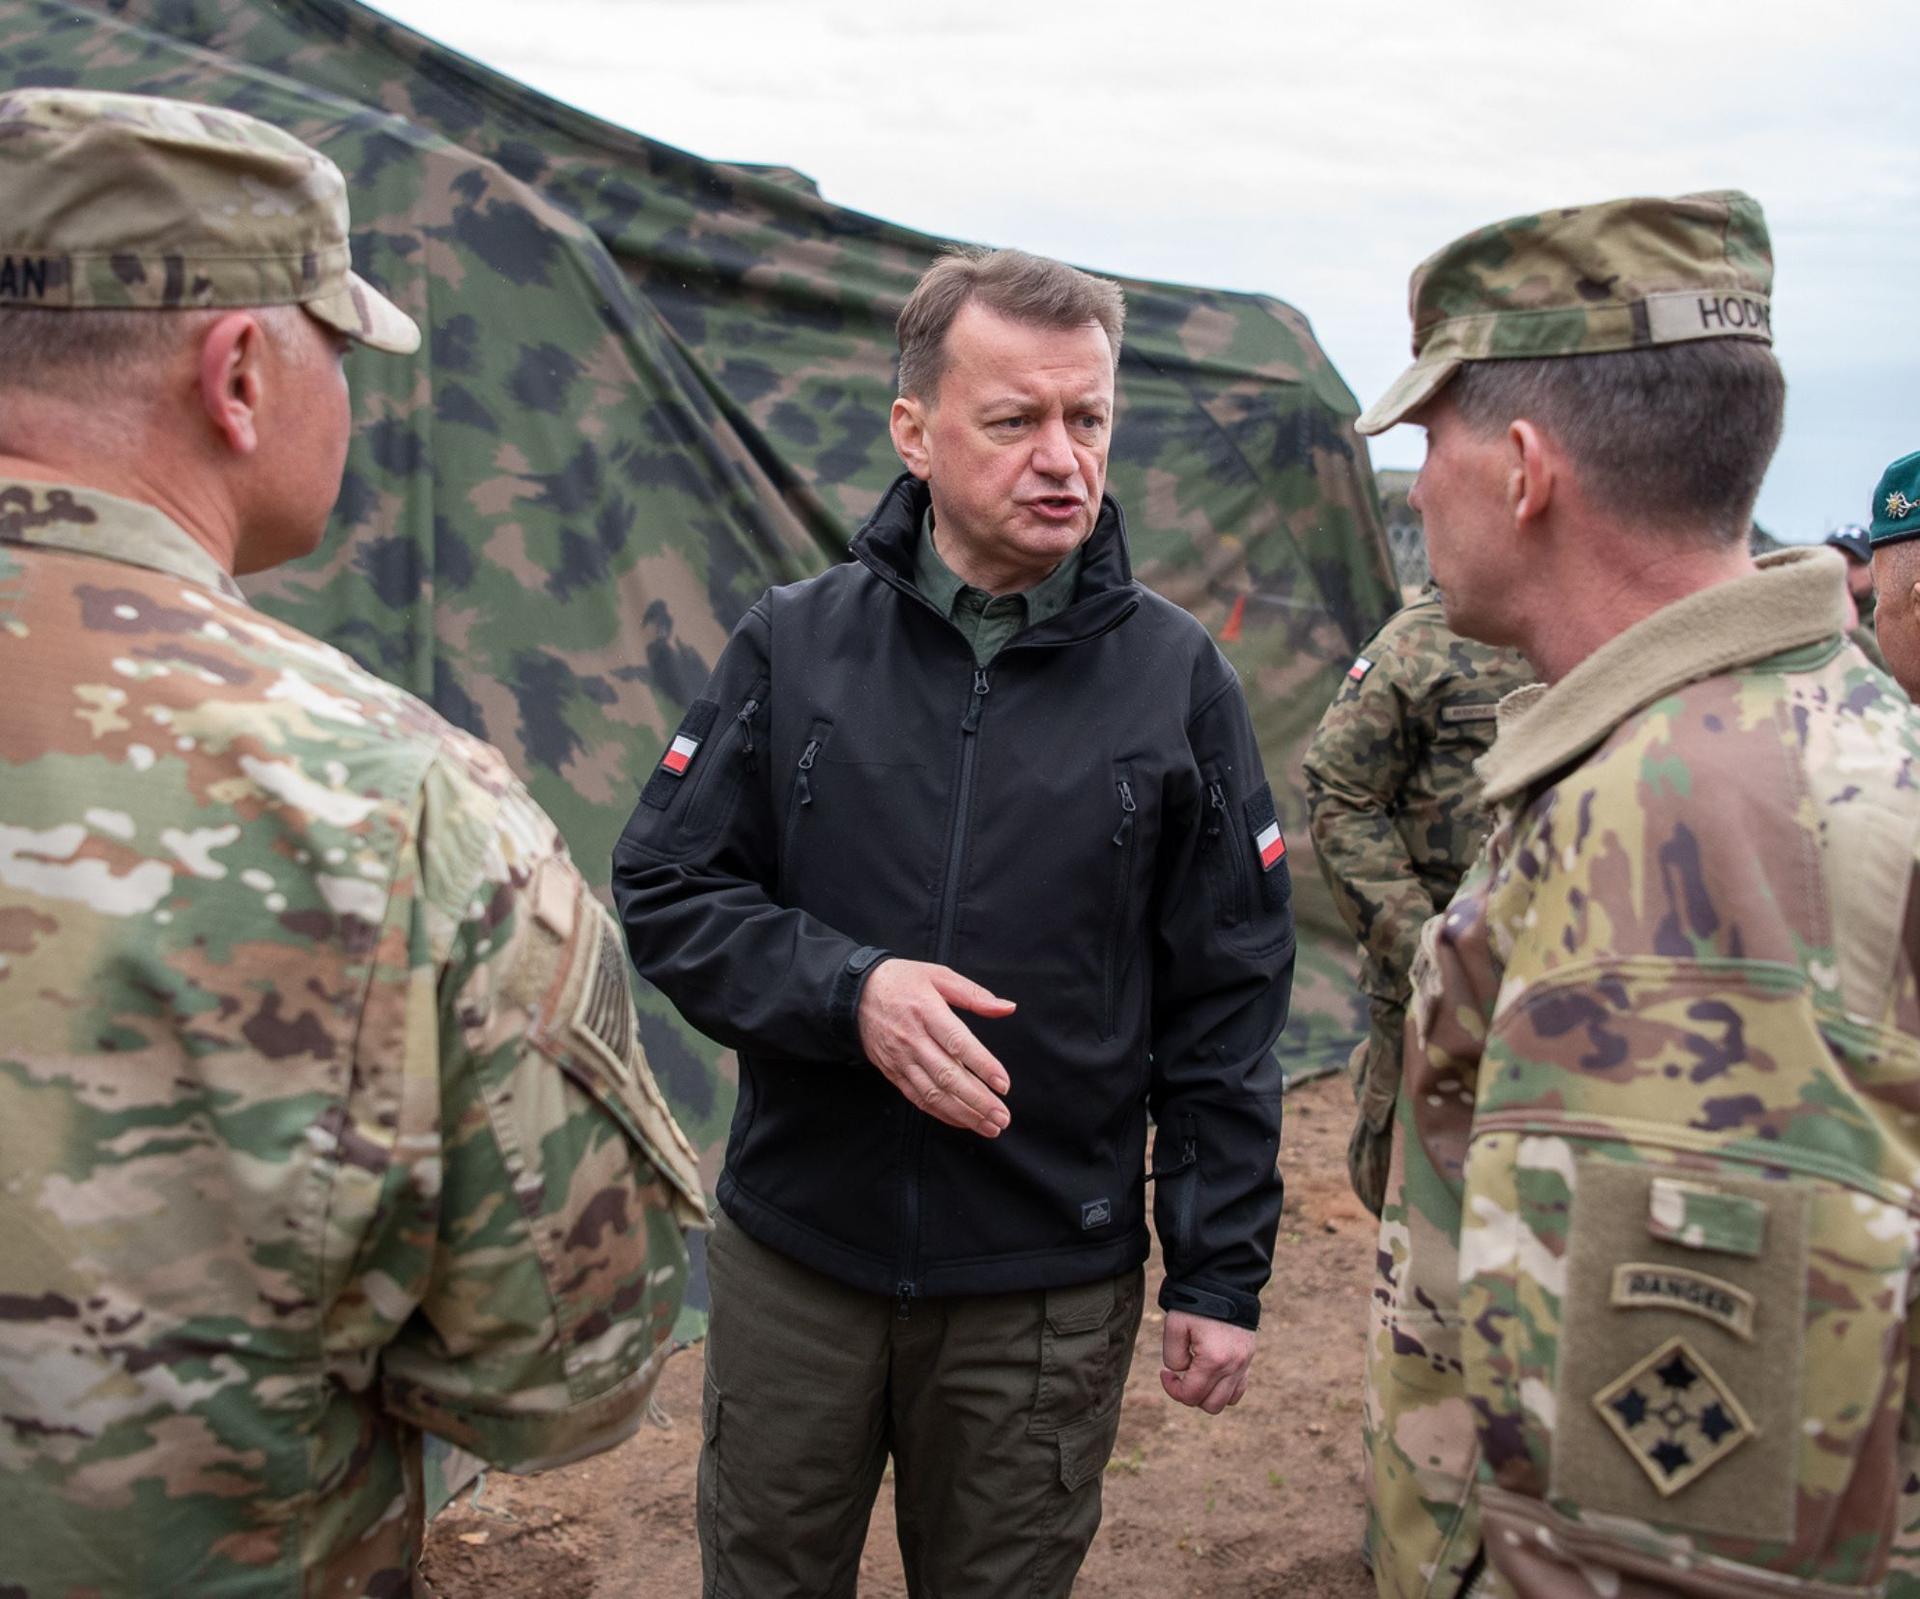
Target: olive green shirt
{"points": [[987, 621]]}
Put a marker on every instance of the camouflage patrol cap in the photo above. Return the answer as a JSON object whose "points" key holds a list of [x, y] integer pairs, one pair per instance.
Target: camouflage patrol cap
{"points": [[1896, 502], [1621, 275], [122, 201]]}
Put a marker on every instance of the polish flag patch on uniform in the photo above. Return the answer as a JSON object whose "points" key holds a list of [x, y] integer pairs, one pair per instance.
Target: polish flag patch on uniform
{"points": [[680, 754], [1361, 666], [1270, 846]]}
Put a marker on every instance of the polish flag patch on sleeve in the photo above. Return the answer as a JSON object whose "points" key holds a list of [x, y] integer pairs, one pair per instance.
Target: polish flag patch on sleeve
{"points": [[1269, 844], [691, 734], [680, 754], [1361, 666]]}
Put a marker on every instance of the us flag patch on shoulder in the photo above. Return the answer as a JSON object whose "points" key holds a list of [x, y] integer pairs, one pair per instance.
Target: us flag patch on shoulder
{"points": [[1361, 666]]}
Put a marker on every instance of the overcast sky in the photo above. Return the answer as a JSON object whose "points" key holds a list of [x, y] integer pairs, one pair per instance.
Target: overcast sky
{"points": [[1316, 151]]}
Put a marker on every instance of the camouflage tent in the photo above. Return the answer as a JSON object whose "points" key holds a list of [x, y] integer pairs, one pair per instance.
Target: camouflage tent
{"points": [[651, 385]]}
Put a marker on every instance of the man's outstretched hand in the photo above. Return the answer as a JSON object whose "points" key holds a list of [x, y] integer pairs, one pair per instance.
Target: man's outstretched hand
{"points": [[909, 1030], [1204, 1362]]}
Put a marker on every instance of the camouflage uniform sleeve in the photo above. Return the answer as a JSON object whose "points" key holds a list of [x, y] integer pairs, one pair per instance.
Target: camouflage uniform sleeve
{"points": [[559, 1262], [1355, 768]]}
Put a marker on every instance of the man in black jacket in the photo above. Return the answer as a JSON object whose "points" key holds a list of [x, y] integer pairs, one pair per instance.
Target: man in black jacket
{"points": [[977, 769]]}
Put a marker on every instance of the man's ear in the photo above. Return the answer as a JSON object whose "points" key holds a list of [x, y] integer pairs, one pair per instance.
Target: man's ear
{"points": [[233, 356], [1532, 468], [908, 425]]}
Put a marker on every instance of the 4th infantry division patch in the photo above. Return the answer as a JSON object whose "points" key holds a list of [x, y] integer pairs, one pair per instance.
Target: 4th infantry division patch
{"points": [[1676, 1417]]}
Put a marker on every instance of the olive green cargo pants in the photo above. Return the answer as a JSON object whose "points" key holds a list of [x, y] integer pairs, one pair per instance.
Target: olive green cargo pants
{"points": [[999, 1411]]}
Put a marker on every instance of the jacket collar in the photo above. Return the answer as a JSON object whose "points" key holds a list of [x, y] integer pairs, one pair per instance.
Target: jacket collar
{"points": [[1796, 598], [61, 516], [1105, 596]]}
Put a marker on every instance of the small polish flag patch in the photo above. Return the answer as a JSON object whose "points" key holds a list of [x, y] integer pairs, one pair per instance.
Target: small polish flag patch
{"points": [[1271, 846], [680, 754], [1361, 666]]}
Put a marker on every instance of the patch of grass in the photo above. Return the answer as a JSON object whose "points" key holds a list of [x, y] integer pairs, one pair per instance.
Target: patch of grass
{"points": [[1131, 1464]]}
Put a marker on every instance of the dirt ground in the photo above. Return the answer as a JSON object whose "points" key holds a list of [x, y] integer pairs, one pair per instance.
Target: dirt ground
{"points": [[1260, 1503]]}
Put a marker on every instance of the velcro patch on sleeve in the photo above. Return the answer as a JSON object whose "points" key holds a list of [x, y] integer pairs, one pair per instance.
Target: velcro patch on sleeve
{"points": [[1269, 844], [1361, 666], [1697, 1216], [680, 753]]}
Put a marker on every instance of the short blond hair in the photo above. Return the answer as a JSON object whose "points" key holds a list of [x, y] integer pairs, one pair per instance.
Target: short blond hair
{"points": [[1021, 287]]}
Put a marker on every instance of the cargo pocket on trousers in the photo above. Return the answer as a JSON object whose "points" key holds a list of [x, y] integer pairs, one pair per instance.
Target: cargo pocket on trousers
{"points": [[1085, 1447], [1086, 1340]]}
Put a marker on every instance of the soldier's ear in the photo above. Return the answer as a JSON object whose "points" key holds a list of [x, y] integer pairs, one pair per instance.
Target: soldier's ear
{"points": [[1532, 471], [232, 353], [908, 425]]}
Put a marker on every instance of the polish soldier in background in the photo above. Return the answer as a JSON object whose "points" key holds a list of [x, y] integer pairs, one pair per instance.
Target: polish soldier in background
{"points": [[1648, 1251], [1394, 809], [323, 1123]]}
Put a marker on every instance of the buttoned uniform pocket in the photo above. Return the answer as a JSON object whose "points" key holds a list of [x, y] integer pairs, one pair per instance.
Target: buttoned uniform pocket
{"points": [[1086, 1350]]}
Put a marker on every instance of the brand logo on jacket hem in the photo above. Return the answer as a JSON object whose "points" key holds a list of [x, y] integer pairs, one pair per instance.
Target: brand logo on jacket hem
{"points": [[1095, 1213]]}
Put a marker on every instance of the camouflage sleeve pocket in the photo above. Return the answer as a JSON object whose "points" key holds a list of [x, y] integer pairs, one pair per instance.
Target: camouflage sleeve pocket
{"points": [[1701, 1353], [587, 1027]]}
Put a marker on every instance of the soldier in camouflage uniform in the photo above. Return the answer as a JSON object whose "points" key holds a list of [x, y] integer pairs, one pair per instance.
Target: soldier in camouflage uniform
{"points": [[1395, 813], [1894, 535], [1648, 1254], [323, 1123]]}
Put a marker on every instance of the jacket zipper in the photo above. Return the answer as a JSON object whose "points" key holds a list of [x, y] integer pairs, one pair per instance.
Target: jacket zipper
{"points": [[1217, 799], [802, 787], [1122, 876], [744, 716], [916, 1126]]}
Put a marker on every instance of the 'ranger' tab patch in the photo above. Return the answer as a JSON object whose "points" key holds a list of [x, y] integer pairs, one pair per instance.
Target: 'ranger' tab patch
{"points": [[1361, 666], [1641, 1285], [1676, 1417]]}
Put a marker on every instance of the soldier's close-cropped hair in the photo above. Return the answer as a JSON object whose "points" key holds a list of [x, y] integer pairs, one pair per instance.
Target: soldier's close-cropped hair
{"points": [[1021, 287], [99, 357], [1674, 436]]}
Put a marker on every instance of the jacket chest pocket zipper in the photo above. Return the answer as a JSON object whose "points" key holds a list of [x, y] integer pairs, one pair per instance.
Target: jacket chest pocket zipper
{"points": [[1123, 843], [801, 799]]}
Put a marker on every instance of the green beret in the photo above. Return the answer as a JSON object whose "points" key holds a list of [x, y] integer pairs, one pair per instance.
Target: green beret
{"points": [[125, 201], [1896, 502], [1621, 275]]}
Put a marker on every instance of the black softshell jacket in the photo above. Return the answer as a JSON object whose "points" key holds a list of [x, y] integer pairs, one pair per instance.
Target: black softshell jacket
{"points": [[1077, 827]]}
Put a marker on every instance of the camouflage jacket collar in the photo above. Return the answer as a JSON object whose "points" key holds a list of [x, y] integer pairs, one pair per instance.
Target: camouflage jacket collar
{"points": [[1106, 594], [1796, 598], [88, 522]]}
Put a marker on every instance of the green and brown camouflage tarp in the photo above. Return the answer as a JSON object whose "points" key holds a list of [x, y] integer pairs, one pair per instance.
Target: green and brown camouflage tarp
{"points": [[651, 385]]}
